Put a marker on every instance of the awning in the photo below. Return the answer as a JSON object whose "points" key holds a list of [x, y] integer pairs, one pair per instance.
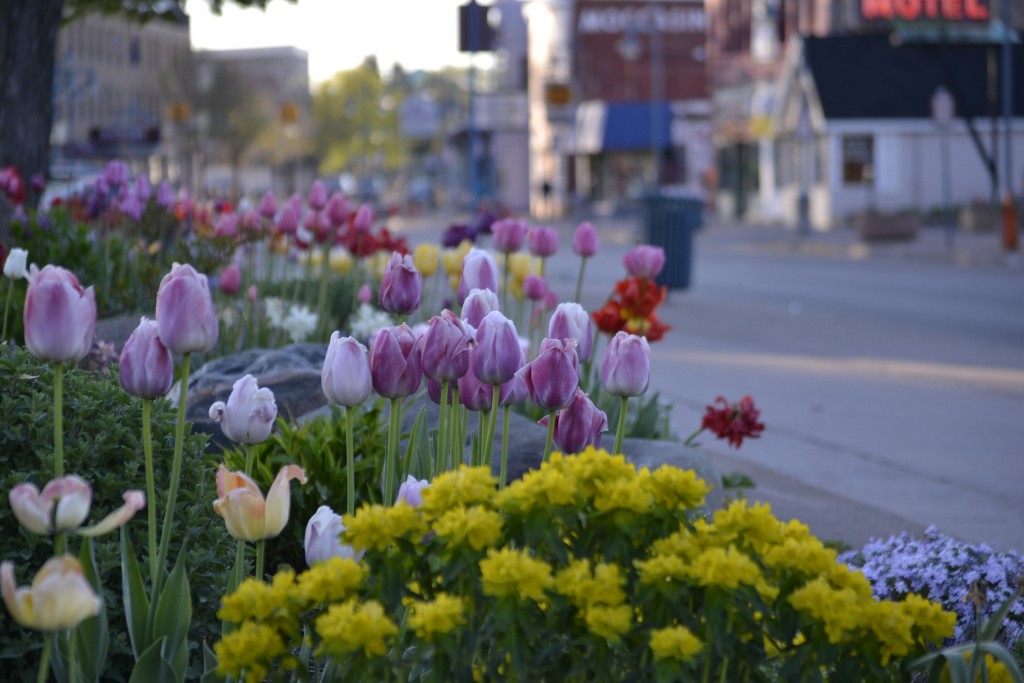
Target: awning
{"points": [[621, 126]]}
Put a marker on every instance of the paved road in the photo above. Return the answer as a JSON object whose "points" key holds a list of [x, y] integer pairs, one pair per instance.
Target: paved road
{"points": [[891, 380]]}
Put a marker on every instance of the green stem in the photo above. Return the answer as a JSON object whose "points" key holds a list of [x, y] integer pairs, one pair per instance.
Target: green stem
{"points": [[392, 455], [307, 279], [620, 432], [7, 307], [456, 440], [60, 543], [350, 464], [691, 437], [321, 305], [442, 431], [725, 668], [503, 473], [147, 449], [250, 458], [172, 493], [239, 569], [261, 555], [481, 433], [491, 430], [579, 279], [44, 662], [551, 434], [58, 420], [706, 678]]}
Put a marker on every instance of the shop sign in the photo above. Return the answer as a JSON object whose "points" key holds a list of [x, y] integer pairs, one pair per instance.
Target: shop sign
{"points": [[674, 18], [925, 10]]}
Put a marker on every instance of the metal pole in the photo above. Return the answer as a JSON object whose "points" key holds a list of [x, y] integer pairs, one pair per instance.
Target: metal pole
{"points": [[474, 187], [1008, 98], [657, 93], [947, 182]]}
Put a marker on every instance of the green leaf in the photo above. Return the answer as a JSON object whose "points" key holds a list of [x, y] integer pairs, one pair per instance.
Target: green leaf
{"points": [[646, 418], [991, 628], [91, 636], [209, 666], [173, 615], [136, 602], [152, 668], [417, 450], [1005, 656], [737, 480]]}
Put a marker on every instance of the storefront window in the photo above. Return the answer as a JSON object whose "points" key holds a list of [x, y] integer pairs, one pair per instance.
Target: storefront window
{"points": [[858, 159]]}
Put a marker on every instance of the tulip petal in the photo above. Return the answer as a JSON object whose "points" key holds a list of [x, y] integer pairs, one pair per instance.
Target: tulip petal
{"points": [[279, 500], [243, 512], [133, 502], [228, 480], [74, 498], [31, 511]]}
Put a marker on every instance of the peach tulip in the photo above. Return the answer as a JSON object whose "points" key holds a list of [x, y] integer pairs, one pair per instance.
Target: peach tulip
{"points": [[60, 597], [248, 515]]}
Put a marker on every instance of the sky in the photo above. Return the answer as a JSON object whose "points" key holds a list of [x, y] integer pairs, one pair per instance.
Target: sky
{"points": [[338, 34]]}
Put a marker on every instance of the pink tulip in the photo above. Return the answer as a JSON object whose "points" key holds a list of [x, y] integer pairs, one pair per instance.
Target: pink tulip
{"points": [[63, 506], [535, 287], [479, 271], [288, 221], [401, 286], [184, 311], [251, 222], [571, 321], [130, 206], [317, 198], [578, 425], [508, 235], [247, 514], [585, 241], [644, 261], [295, 201], [345, 376], [626, 369], [249, 414], [497, 356], [227, 226], [446, 347], [230, 279], [543, 241], [60, 316], [363, 220], [365, 294], [396, 365], [268, 205], [553, 376], [478, 303], [337, 210], [146, 368]]}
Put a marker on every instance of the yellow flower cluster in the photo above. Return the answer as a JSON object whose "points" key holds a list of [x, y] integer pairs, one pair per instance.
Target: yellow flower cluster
{"points": [[509, 573], [437, 617], [258, 601], [378, 527], [476, 526], [350, 626], [465, 486], [675, 642], [329, 581], [248, 649], [598, 597]]}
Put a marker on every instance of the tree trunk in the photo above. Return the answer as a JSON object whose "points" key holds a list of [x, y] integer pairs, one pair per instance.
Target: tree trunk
{"points": [[28, 45]]}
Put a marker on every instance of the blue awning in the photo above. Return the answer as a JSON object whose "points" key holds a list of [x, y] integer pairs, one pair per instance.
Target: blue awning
{"points": [[621, 126]]}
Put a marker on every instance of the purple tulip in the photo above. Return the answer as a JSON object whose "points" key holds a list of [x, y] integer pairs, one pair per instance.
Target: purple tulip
{"points": [[365, 294], [497, 356], [396, 364], [434, 392], [543, 241], [317, 198], [101, 185], [337, 210], [249, 413], [479, 271], [454, 235], [363, 220], [345, 376], [644, 261], [60, 316], [534, 287], [578, 425], [571, 321], [474, 394], [478, 303], [230, 279], [402, 285], [514, 391], [411, 491], [251, 222], [585, 241], [508, 235], [295, 201], [552, 377], [184, 311], [143, 190], [322, 540], [164, 195], [626, 369], [130, 206], [446, 348], [288, 221], [146, 368], [116, 173], [268, 205]]}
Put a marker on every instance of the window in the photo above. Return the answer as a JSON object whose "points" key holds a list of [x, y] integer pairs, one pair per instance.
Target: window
{"points": [[858, 159]]}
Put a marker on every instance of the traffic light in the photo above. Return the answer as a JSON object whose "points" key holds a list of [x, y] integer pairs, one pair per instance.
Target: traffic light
{"points": [[475, 33]]}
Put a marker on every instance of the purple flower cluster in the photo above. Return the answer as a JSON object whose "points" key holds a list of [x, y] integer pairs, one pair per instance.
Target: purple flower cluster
{"points": [[942, 569]]}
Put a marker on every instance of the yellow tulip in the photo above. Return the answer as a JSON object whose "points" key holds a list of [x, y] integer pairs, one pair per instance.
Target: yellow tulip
{"points": [[340, 260], [246, 513], [521, 264], [60, 597], [424, 256], [377, 263], [451, 259]]}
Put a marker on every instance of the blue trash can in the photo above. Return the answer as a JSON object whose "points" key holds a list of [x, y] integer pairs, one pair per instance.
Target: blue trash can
{"points": [[669, 222]]}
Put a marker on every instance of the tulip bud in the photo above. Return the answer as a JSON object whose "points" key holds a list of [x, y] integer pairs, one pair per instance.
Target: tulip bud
{"points": [[446, 347], [365, 294], [184, 311], [288, 221], [571, 321], [543, 241], [337, 210], [578, 425], [497, 356], [146, 368], [474, 394], [396, 366], [295, 202], [247, 515], [227, 226], [644, 261], [230, 279], [164, 195], [585, 241], [411, 491], [425, 257], [535, 287], [402, 285], [363, 220], [251, 223], [626, 369], [249, 414], [317, 198], [130, 206], [345, 377], [322, 540], [478, 303], [479, 271], [60, 316], [508, 235], [143, 190], [268, 205], [59, 599], [16, 265], [552, 377]]}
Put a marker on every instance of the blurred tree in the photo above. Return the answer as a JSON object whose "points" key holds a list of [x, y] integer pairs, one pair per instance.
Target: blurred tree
{"points": [[28, 43]]}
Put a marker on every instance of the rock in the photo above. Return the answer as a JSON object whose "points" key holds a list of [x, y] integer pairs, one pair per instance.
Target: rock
{"points": [[116, 330]]}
